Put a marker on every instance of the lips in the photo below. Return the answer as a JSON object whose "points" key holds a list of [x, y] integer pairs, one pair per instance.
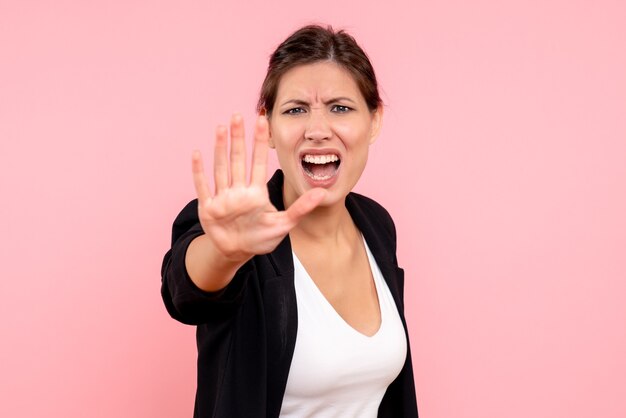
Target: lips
{"points": [[320, 167]]}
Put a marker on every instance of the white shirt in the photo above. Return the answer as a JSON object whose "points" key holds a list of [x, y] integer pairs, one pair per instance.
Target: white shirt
{"points": [[336, 371]]}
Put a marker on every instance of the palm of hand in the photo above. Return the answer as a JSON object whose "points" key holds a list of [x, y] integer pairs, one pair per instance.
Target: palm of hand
{"points": [[240, 219]]}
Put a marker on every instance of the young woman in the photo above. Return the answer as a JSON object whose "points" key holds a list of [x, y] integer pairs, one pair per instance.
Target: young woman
{"points": [[294, 285]]}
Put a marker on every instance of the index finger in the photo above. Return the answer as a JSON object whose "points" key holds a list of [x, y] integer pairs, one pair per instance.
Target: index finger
{"points": [[259, 152]]}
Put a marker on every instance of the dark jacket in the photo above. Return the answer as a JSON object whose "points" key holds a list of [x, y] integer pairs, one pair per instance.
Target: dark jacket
{"points": [[246, 333]]}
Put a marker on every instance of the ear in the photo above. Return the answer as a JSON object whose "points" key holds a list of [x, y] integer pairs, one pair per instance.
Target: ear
{"points": [[377, 123], [263, 112]]}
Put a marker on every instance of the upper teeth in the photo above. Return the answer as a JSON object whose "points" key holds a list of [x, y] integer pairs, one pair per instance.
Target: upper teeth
{"points": [[320, 159]]}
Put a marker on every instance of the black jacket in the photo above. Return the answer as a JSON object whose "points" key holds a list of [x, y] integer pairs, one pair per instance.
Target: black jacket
{"points": [[246, 333]]}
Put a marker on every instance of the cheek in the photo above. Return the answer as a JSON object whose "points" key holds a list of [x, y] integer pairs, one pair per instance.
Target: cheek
{"points": [[353, 134], [285, 138]]}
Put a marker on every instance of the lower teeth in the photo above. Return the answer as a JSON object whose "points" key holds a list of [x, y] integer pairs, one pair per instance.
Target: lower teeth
{"points": [[316, 177]]}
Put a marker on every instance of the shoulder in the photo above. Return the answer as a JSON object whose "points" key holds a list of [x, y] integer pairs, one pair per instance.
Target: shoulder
{"points": [[374, 221], [186, 220], [360, 205], [368, 204]]}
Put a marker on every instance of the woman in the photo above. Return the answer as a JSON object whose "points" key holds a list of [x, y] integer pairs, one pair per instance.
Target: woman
{"points": [[294, 285]]}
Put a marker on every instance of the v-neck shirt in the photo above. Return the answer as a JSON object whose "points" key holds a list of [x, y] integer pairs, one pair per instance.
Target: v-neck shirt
{"points": [[337, 371]]}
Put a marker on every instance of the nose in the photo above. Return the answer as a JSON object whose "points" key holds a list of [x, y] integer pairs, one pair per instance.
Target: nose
{"points": [[317, 128]]}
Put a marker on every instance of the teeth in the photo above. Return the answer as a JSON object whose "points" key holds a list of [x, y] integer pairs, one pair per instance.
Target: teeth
{"points": [[318, 178], [320, 159]]}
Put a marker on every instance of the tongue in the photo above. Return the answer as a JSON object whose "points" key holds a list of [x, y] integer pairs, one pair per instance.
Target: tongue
{"points": [[320, 170]]}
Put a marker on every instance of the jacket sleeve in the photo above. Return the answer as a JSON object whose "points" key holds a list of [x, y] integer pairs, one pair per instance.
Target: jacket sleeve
{"points": [[185, 301]]}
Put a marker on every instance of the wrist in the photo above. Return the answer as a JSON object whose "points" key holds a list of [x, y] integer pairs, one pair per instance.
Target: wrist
{"points": [[208, 267]]}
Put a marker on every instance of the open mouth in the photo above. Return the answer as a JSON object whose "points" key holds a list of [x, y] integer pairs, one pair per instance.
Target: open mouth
{"points": [[320, 167]]}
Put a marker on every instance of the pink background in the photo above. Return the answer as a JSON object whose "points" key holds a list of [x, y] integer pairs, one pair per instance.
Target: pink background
{"points": [[502, 160]]}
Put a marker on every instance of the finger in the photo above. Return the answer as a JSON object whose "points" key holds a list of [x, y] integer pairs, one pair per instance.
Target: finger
{"points": [[199, 179], [301, 207], [220, 159], [259, 152], [237, 151]]}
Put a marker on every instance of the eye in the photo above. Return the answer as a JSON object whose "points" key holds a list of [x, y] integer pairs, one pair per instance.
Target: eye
{"points": [[294, 111], [340, 109]]}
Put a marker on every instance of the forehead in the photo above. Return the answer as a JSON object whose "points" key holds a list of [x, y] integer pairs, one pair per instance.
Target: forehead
{"points": [[318, 80]]}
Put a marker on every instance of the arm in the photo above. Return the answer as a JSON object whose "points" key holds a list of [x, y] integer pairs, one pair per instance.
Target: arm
{"points": [[233, 224]]}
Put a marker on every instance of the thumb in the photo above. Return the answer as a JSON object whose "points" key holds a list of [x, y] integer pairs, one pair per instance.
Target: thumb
{"points": [[305, 204]]}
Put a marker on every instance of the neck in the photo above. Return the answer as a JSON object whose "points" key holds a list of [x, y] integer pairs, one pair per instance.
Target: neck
{"points": [[327, 224]]}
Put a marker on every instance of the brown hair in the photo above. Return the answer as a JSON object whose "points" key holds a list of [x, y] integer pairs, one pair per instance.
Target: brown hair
{"points": [[314, 43]]}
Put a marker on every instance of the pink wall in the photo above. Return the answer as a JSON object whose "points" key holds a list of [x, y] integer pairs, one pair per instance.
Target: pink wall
{"points": [[502, 159]]}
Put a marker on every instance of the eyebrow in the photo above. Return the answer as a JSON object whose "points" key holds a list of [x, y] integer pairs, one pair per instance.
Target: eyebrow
{"points": [[305, 103]]}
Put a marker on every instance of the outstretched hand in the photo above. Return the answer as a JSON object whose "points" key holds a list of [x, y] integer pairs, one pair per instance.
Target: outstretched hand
{"points": [[239, 218]]}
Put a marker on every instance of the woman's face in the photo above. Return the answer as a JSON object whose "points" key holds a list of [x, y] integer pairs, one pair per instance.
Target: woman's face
{"points": [[321, 129]]}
